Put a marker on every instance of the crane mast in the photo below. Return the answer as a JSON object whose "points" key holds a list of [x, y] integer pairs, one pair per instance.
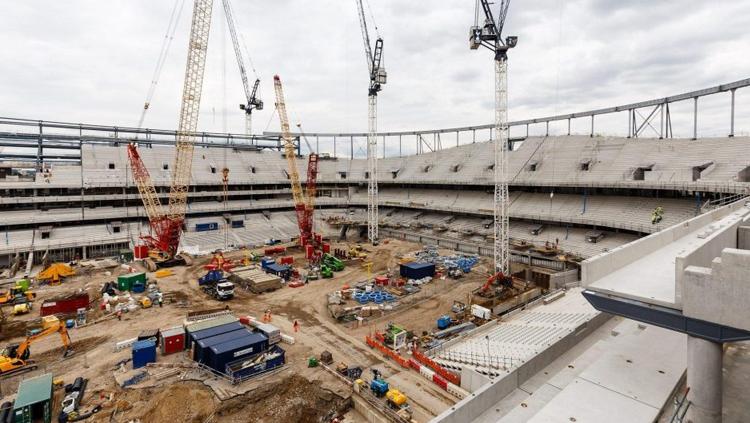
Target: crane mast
{"points": [[166, 225], [489, 35], [311, 187], [253, 102], [377, 79]]}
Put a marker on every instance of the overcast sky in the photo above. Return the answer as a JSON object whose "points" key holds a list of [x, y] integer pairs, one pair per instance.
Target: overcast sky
{"points": [[92, 61]]}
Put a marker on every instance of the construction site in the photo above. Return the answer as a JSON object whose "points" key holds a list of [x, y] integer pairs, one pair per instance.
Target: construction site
{"points": [[149, 275]]}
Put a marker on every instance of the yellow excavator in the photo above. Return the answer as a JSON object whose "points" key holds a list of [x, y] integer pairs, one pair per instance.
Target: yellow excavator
{"points": [[15, 358]]}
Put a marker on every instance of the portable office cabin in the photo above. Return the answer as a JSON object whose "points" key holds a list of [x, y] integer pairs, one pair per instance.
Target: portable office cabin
{"points": [[200, 346], [218, 356], [34, 400], [205, 324], [196, 336], [144, 352], [416, 270], [172, 340]]}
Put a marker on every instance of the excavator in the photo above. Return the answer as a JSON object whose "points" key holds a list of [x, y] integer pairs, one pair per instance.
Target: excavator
{"points": [[15, 358]]}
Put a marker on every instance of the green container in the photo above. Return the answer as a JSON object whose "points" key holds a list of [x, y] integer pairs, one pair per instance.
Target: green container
{"points": [[34, 400], [24, 284], [126, 282], [126, 255]]}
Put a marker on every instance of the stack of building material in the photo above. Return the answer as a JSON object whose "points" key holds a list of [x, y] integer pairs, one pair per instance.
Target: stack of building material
{"points": [[270, 331], [255, 280]]}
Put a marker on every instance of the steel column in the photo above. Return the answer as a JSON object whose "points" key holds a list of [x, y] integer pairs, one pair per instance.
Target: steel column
{"points": [[695, 118], [731, 121]]}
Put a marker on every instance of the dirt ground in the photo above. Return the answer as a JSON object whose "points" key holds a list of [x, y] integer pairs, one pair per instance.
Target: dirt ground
{"points": [[301, 394]]}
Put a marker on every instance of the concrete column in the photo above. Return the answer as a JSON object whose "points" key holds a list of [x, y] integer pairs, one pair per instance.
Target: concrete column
{"points": [[704, 377], [85, 257]]}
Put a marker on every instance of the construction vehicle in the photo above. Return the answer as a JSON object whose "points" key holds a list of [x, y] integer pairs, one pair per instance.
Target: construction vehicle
{"points": [[332, 262], [378, 385], [15, 358], [458, 308], [16, 295], [499, 279], [167, 223], [445, 321], [216, 285], [357, 252], [326, 271], [396, 399], [22, 308], [146, 302]]}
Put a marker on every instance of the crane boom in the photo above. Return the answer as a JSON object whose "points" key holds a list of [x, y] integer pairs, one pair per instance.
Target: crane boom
{"points": [[365, 34], [291, 153], [253, 102], [166, 225], [189, 111]]}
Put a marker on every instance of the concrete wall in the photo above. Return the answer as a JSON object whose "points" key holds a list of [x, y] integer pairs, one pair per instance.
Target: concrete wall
{"points": [[723, 236], [603, 264], [560, 279], [481, 400], [719, 294], [743, 237], [472, 380]]}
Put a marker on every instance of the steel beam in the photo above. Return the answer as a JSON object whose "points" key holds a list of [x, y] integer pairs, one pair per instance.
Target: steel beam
{"points": [[664, 317]]}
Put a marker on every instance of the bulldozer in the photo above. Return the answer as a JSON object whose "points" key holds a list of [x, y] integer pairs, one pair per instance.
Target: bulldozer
{"points": [[16, 295], [15, 358]]}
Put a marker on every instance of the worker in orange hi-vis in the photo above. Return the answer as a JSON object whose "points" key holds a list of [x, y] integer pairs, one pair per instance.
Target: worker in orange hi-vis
{"points": [[296, 326]]}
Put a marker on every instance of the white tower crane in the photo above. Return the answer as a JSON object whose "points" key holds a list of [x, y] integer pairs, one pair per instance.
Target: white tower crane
{"points": [[253, 102], [377, 79], [489, 35]]}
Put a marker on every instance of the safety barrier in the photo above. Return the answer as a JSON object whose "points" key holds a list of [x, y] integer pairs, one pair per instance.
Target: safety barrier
{"points": [[445, 374], [387, 351], [427, 373]]}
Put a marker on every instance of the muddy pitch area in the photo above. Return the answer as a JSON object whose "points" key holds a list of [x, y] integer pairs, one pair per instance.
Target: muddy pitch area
{"points": [[292, 399]]}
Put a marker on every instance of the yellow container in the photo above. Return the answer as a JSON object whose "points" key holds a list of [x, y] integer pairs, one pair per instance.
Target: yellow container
{"points": [[49, 321]]}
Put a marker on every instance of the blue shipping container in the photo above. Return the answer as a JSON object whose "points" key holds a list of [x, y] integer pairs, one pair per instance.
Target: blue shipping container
{"points": [[200, 346], [244, 369], [281, 270], [202, 227], [238, 223], [218, 356], [417, 270], [144, 352], [209, 332]]}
